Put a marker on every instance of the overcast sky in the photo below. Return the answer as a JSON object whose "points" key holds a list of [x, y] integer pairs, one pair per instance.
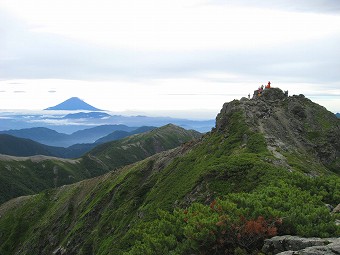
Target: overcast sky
{"points": [[157, 57]]}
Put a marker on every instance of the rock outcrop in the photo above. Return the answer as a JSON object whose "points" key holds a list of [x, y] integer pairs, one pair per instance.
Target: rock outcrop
{"points": [[292, 124], [294, 245], [336, 209]]}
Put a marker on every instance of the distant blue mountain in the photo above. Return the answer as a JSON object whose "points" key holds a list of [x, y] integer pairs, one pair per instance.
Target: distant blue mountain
{"points": [[337, 115], [94, 133], [119, 134], [73, 103], [50, 137], [39, 134], [15, 146]]}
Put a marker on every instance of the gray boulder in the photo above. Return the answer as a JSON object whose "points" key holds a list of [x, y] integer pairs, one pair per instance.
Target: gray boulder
{"points": [[294, 245], [336, 209], [330, 249], [273, 94]]}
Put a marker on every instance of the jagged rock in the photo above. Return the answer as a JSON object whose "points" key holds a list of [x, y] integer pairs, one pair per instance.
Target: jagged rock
{"points": [[285, 245], [330, 207], [298, 110], [223, 117], [330, 249], [337, 222], [59, 251], [336, 209], [273, 94]]}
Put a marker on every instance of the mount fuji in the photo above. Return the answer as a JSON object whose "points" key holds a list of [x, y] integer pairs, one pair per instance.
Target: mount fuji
{"points": [[73, 103]]}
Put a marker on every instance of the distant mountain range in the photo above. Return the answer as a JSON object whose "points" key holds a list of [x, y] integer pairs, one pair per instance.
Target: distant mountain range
{"points": [[23, 147], [74, 114], [40, 134], [73, 103], [337, 115], [71, 122], [53, 138]]}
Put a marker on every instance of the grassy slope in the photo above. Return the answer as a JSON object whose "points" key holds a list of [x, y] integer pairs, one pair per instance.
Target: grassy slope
{"points": [[24, 176], [97, 215]]}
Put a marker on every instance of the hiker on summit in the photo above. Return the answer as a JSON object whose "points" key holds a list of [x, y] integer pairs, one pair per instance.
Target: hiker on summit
{"points": [[259, 91]]}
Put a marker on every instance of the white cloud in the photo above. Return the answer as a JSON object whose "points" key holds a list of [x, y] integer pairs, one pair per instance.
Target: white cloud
{"points": [[314, 6], [170, 25]]}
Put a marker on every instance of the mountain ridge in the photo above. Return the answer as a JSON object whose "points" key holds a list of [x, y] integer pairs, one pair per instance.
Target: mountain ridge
{"points": [[142, 145], [260, 172]]}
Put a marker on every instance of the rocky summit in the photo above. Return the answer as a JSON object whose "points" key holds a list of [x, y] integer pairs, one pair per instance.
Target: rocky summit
{"points": [[269, 168], [290, 124]]}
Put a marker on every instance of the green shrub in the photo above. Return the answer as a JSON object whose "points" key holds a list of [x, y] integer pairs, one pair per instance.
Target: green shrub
{"points": [[237, 223], [256, 143], [218, 228], [302, 213]]}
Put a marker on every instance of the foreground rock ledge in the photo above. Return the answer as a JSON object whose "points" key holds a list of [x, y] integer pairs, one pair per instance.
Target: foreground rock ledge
{"points": [[294, 245]]}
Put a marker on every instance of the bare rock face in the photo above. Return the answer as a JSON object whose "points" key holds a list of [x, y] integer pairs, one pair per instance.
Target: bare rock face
{"points": [[336, 209], [294, 245]]}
